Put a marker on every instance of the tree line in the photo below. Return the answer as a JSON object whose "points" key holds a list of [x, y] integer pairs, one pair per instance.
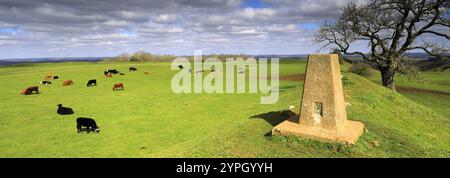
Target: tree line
{"points": [[143, 56]]}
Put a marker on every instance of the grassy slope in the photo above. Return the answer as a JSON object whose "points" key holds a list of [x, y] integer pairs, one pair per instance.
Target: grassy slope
{"points": [[148, 120], [435, 81], [423, 89], [402, 128]]}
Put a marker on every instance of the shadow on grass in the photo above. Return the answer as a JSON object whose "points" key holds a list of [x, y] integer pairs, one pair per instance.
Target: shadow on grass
{"points": [[276, 117]]}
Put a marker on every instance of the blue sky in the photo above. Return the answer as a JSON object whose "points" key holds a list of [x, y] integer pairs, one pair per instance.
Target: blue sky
{"points": [[9, 30], [254, 4], [309, 26]]}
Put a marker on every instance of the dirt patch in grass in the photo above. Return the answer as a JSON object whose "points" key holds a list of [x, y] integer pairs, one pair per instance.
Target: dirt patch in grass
{"points": [[419, 90], [295, 77]]}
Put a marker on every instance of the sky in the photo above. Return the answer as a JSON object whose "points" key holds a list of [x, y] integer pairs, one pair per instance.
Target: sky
{"points": [[82, 28]]}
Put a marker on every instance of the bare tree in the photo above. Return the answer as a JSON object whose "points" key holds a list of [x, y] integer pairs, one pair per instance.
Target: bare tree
{"points": [[390, 28]]}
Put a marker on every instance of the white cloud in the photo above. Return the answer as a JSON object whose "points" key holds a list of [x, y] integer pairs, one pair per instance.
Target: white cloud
{"points": [[257, 13], [116, 23], [166, 18], [282, 28], [111, 27], [247, 32]]}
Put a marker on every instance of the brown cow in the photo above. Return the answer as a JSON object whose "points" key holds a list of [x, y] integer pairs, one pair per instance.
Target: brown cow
{"points": [[118, 86], [30, 90], [146, 73], [67, 82], [48, 77]]}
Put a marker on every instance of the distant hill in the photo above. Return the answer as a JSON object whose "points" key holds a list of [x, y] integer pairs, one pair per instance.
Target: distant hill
{"points": [[419, 56], [433, 64], [294, 56], [53, 60]]}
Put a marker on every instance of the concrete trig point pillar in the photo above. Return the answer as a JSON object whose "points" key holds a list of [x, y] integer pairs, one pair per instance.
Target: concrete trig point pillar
{"points": [[322, 113]]}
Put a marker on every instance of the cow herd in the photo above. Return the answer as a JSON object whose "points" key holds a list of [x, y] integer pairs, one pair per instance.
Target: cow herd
{"points": [[88, 123]]}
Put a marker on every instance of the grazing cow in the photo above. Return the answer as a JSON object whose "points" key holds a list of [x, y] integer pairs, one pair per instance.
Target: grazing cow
{"points": [[118, 86], [48, 77], [30, 90], [63, 110], [46, 82], [55, 77], [121, 73], [89, 123], [91, 83], [132, 69], [146, 73], [180, 67], [67, 82], [113, 71]]}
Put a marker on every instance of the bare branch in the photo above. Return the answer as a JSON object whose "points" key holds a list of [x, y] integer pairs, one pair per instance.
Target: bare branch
{"points": [[437, 33], [431, 49], [390, 28]]}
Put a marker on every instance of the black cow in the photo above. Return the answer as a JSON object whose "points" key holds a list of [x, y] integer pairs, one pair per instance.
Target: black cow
{"points": [[63, 110], [91, 83], [46, 82], [113, 71], [55, 77], [88, 123], [132, 69], [106, 72], [180, 67]]}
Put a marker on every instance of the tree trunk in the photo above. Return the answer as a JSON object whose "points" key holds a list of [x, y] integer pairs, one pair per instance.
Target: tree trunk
{"points": [[387, 77]]}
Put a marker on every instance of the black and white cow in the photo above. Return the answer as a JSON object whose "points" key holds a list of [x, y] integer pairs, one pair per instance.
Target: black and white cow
{"points": [[46, 82], [92, 82], [88, 123], [132, 69], [113, 71]]}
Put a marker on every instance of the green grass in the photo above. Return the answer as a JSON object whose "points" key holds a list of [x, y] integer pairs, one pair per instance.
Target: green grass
{"points": [[432, 89], [440, 103], [438, 81], [148, 120]]}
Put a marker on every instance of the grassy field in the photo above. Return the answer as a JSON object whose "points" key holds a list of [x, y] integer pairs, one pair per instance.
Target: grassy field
{"points": [[148, 120], [432, 89]]}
